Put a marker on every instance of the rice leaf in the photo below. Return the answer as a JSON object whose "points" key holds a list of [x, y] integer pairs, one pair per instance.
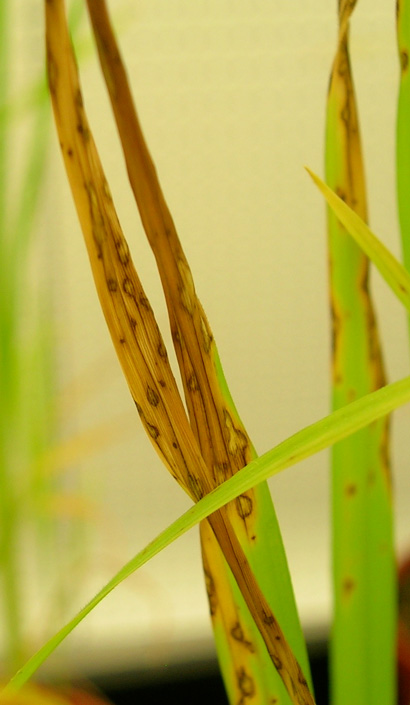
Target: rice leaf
{"points": [[222, 439], [362, 647], [136, 336]]}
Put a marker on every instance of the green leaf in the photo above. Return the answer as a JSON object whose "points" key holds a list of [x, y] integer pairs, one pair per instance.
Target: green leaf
{"points": [[389, 267]]}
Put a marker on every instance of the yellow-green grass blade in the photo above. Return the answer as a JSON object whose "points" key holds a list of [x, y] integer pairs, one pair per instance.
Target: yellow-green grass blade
{"points": [[392, 271], [222, 438], [403, 129], [310, 440], [362, 648]]}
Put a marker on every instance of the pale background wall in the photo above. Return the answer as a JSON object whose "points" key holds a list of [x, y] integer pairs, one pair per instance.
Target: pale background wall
{"points": [[232, 99]]}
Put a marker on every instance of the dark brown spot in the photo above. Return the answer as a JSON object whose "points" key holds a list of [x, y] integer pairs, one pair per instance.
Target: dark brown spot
{"points": [[152, 397], [122, 250], [268, 618], [221, 472], [238, 635], [52, 72], [144, 302], [237, 632], [195, 487], [341, 194], [152, 430], [206, 335], [404, 60], [192, 383], [112, 284], [128, 287], [162, 351], [83, 130], [133, 322], [70, 152], [345, 114], [348, 586], [161, 383], [301, 678], [211, 592], [246, 684], [351, 489], [277, 662], [244, 506], [237, 441]]}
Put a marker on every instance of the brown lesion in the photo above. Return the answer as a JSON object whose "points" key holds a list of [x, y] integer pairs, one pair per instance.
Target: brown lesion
{"points": [[238, 635], [277, 662], [221, 472], [128, 287], [246, 686], [144, 302], [237, 442], [152, 396], [348, 587], [351, 490], [384, 449], [192, 383], [96, 218], [195, 487], [186, 287], [268, 618], [301, 678], [206, 335], [162, 351], [112, 284], [82, 126], [336, 328], [151, 428], [211, 591], [244, 506], [122, 251]]}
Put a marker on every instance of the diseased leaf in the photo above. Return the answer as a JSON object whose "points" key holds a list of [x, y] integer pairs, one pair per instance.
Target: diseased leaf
{"points": [[222, 438]]}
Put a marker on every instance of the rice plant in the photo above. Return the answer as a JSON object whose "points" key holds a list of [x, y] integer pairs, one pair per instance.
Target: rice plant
{"points": [[260, 645]]}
